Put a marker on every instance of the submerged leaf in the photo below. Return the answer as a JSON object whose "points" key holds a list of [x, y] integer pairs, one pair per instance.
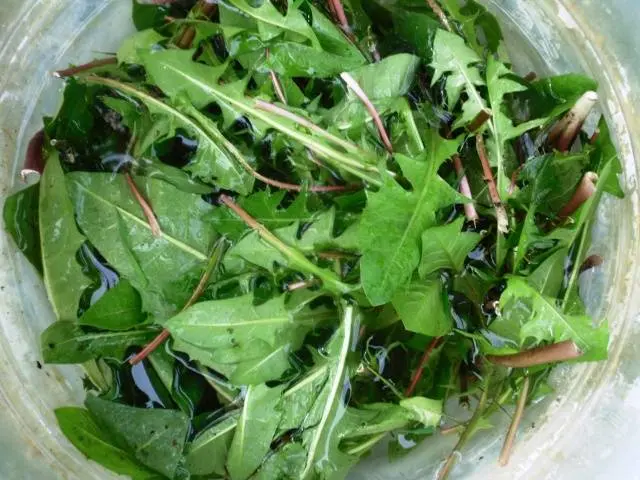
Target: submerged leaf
{"points": [[118, 309], [21, 219], [207, 453]]}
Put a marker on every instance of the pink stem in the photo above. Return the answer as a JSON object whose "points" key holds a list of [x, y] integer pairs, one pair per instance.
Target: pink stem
{"points": [[146, 207], [558, 352], [423, 362], [353, 85], [465, 189], [338, 10]]}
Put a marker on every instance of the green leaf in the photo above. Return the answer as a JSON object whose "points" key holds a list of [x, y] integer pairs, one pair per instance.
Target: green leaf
{"points": [[446, 247], [264, 206], [604, 152], [66, 342], [272, 23], [144, 40], [417, 29], [163, 269], [479, 27], [155, 437], [372, 419], [425, 410], [75, 120], [88, 437], [548, 278], [255, 431], [319, 433], [300, 397], [395, 219], [212, 162], [208, 451], [297, 60], [154, 62], [553, 96], [181, 75], [391, 77], [60, 241], [529, 317], [284, 464], [551, 180], [283, 247], [21, 220], [247, 343], [147, 15], [118, 309], [424, 308], [451, 55], [499, 84]]}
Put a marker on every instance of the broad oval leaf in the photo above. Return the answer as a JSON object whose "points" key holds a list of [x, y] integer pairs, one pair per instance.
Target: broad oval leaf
{"points": [[60, 241], [163, 269]]}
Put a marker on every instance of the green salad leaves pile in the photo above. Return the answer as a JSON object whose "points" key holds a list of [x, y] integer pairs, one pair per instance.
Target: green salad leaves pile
{"points": [[280, 234]]}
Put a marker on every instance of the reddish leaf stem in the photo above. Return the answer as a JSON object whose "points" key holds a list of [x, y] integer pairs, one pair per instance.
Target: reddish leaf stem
{"points": [[439, 13], [72, 71], [292, 287], [338, 10], [277, 86], [558, 352], [507, 448], [564, 133], [206, 9], [501, 213], [360, 93], [585, 190], [150, 348], [284, 113], [197, 293], [144, 204], [465, 189], [435, 343]]}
